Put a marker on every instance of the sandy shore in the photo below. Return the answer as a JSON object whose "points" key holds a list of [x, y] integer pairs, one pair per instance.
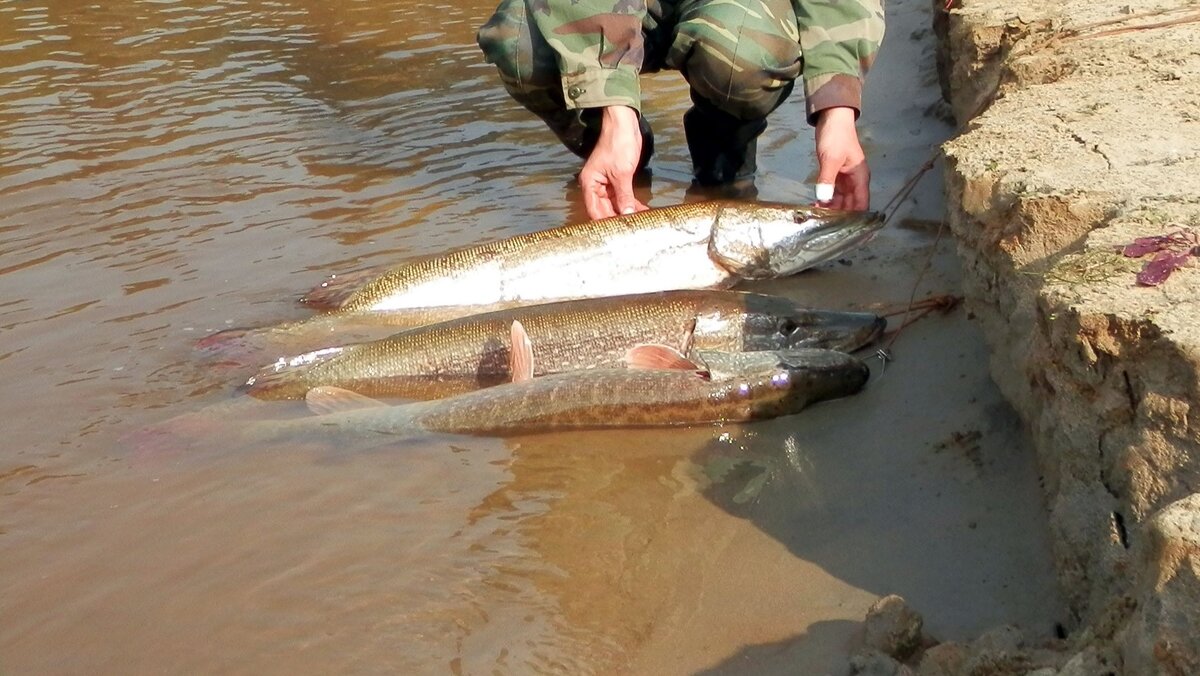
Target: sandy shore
{"points": [[1080, 135]]}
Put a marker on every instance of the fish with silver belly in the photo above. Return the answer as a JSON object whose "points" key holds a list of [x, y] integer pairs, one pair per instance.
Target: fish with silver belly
{"points": [[474, 352], [699, 245], [752, 386]]}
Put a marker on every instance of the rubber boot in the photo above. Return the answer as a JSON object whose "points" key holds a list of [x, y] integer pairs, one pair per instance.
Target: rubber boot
{"points": [[723, 147]]}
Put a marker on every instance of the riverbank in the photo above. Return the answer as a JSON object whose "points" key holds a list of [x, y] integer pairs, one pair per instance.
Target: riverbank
{"points": [[1080, 134]]}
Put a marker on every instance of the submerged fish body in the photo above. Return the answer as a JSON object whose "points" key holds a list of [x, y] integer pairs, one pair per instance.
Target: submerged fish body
{"points": [[699, 245], [473, 352], [777, 383]]}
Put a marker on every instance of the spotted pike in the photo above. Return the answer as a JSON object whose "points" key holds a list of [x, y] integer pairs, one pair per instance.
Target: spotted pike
{"points": [[473, 352], [699, 245], [767, 385]]}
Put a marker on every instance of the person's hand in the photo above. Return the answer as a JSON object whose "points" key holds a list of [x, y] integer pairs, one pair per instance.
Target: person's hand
{"points": [[607, 175], [842, 161]]}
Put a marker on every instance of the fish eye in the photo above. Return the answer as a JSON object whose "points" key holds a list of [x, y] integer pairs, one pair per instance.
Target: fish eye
{"points": [[787, 326]]}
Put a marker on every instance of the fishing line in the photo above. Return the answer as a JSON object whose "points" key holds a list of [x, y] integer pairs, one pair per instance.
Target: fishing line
{"points": [[1081, 32], [889, 210], [884, 354]]}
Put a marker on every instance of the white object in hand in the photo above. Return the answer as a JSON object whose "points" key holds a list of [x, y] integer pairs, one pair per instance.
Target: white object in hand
{"points": [[824, 192]]}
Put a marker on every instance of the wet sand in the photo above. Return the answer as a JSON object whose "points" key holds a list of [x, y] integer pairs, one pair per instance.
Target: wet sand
{"points": [[169, 170]]}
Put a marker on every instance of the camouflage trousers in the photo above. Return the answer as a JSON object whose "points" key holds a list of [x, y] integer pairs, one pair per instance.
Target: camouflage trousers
{"points": [[740, 57]]}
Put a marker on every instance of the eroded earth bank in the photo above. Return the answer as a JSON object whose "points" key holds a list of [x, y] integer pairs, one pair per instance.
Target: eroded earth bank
{"points": [[1080, 133]]}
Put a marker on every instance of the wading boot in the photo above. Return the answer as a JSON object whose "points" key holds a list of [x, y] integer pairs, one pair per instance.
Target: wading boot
{"points": [[723, 148]]}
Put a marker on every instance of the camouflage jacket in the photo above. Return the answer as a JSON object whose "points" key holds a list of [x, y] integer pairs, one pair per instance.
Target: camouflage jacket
{"points": [[601, 51]]}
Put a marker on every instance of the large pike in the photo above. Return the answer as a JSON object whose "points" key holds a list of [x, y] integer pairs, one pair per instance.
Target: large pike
{"points": [[737, 388], [474, 352], [700, 245]]}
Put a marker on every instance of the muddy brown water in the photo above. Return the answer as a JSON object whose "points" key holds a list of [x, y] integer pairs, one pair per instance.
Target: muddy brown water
{"points": [[172, 168]]}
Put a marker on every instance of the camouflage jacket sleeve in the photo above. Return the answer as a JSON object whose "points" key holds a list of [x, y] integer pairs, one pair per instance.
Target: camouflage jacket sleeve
{"points": [[839, 39], [599, 47]]}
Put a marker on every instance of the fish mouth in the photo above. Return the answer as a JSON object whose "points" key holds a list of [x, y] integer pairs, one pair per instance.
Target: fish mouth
{"points": [[833, 232], [832, 373], [819, 235], [818, 374], [765, 240]]}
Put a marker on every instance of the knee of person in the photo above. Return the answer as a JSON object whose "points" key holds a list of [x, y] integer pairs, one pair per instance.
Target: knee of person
{"points": [[747, 94], [747, 103], [505, 42], [500, 44], [748, 83]]}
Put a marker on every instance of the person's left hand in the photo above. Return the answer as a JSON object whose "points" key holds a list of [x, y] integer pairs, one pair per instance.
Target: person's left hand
{"points": [[607, 175], [842, 161]]}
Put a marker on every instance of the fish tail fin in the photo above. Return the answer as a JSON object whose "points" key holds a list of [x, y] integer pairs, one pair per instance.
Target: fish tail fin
{"points": [[169, 439], [520, 354], [157, 443], [237, 347], [335, 292], [243, 346], [288, 377]]}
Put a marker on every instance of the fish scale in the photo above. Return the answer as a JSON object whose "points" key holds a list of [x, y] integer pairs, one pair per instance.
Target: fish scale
{"points": [[698, 245], [766, 385], [514, 268], [473, 352]]}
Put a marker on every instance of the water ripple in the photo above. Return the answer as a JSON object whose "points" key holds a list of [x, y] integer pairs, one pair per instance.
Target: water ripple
{"points": [[170, 166], [159, 159]]}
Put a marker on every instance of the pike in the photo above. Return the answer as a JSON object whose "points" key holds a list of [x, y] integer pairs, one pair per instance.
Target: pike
{"points": [[754, 386], [699, 245], [473, 352]]}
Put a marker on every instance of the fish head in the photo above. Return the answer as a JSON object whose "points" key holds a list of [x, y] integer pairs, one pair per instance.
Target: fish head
{"points": [[807, 376], [780, 382], [816, 375], [773, 323], [763, 240]]}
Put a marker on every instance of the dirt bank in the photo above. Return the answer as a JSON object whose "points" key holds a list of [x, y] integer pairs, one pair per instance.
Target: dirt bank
{"points": [[1081, 133]]}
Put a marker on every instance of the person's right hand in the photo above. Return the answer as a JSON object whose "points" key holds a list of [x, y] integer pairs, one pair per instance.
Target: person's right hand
{"points": [[842, 161], [607, 175]]}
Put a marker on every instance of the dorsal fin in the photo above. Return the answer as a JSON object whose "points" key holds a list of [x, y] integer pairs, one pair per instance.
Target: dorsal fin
{"points": [[653, 356], [520, 354], [328, 399]]}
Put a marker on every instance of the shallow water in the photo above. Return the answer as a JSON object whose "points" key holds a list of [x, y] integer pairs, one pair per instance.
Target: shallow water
{"points": [[172, 168]]}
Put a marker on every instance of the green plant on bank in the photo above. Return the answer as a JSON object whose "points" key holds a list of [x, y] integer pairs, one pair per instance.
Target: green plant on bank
{"points": [[1154, 216], [1085, 267]]}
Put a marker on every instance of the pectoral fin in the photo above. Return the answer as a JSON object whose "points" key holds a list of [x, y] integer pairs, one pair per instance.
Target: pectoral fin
{"points": [[689, 335], [520, 354], [660, 357], [328, 399]]}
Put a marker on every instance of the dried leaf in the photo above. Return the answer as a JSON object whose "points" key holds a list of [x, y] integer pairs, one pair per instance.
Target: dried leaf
{"points": [[1145, 245], [1158, 270], [1171, 251]]}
